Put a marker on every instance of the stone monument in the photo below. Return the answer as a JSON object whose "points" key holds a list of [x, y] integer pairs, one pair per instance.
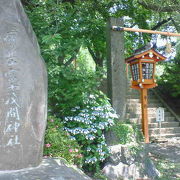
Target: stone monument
{"points": [[23, 90]]}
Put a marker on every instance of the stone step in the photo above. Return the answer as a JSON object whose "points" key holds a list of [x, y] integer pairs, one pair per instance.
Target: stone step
{"points": [[133, 94], [138, 93], [130, 90], [167, 130], [164, 124], [158, 104], [150, 114], [137, 100], [157, 136], [137, 114], [138, 109], [133, 97], [137, 96], [152, 120]]}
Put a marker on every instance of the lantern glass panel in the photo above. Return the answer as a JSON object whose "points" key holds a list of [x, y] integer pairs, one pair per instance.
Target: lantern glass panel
{"points": [[147, 70], [135, 72]]}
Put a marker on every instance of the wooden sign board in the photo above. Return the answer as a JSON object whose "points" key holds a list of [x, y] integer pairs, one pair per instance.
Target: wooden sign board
{"points": [[160, 114]]}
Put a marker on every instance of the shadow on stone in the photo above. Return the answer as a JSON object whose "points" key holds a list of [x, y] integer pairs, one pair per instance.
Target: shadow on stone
{"points": [[50, 169]]}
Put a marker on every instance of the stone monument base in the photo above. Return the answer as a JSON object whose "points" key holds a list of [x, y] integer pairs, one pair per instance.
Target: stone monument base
{"points": [[50, 169]]}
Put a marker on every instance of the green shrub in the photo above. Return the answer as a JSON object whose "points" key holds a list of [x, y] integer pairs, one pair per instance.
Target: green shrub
{"points": [[58, 143], [127, 132], [169, 82]]}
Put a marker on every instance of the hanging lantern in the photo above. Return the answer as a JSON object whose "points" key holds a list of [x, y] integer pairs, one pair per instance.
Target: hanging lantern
{"points": [[142, 67]]}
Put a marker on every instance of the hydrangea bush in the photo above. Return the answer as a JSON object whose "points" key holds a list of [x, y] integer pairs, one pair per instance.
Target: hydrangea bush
{"points": [[88, 125]]}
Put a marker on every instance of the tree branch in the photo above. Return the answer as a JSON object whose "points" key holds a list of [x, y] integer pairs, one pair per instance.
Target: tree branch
{"points": [[70, 60], [72, 57], [159, 24], [96, 57], [92, 53], [61, 60], [175, 25], [159, 8]]}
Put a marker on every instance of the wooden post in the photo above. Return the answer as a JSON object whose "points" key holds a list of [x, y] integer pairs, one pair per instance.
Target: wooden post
{"points": [[144, 105]]}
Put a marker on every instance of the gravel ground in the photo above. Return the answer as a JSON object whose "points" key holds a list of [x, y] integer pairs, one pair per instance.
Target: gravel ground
{"points": [[166, 155]]}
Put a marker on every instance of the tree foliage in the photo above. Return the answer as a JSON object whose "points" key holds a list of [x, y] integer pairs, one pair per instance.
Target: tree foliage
{"points": [[170, 80], [161, 5], [63, 27]]}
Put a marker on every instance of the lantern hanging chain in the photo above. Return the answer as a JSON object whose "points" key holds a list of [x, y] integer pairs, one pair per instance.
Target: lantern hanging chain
{"points": [[154, 40], [118, 28]]}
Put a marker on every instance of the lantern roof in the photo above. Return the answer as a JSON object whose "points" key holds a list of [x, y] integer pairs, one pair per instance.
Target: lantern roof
{"points": [[146, 53]]}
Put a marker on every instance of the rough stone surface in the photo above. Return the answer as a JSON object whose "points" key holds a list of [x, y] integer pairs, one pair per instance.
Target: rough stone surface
{"points": [[120, 153], [121, 171], [23, 90], [123, 165], [49, 169], [150, 169], [117, 82], [116, 76]]}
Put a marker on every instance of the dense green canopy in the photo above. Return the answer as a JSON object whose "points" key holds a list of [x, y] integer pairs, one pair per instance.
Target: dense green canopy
{"points": [[63, 27]]}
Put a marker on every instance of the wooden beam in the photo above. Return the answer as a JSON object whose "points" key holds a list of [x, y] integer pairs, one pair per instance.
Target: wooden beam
{"points": [[117, 28]]}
